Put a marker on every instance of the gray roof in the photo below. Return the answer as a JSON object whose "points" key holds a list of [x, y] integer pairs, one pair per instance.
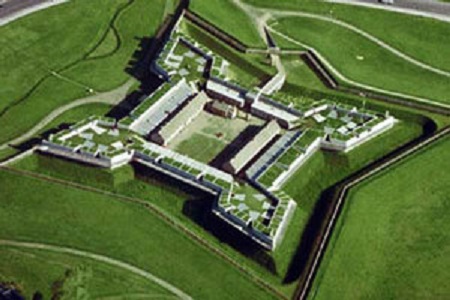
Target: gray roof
{"points": [[258, 142], [183, 117], [159, 111]]}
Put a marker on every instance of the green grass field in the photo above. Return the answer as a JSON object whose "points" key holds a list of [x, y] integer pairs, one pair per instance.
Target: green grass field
{"points": [[36, 271], [392, 239], [425, 39], [30, 89], [363, 61], [30, 208], [201, 148], [219, 12], [325, 169], [421, 38]]}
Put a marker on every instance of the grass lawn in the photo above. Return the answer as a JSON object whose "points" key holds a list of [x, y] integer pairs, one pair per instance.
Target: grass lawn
{"points": [[392, 239], [425, 39], [30, 89], [35, 210], [323, 170], [229, 18], [201, 147], [35, 271], [359, 59]]}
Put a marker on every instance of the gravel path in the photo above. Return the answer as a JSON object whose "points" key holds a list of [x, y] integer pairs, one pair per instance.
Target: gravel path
{"points": [[100, 258]]}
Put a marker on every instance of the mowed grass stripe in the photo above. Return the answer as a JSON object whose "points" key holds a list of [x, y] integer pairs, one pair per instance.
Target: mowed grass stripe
{"points": [[92, 222], [393, 234]]}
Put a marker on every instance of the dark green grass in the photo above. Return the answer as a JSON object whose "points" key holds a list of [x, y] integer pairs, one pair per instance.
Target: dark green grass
{"points": [[229, 18], [39, 44], [36, 271], [392, 239], [35, 210], [379, 68]]}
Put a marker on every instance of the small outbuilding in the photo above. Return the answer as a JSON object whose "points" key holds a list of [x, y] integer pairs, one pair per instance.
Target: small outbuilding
{"points": [[223, 109]]}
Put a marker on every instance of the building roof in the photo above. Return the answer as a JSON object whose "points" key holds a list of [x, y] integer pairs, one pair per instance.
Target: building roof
{"points": [[276, 112], [168, 102], [186, 113], [258, 142], [222, 106], [227, 91]]}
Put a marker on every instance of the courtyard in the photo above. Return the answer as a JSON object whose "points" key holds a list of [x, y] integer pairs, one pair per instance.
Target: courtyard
{"points": [[208, 135]]}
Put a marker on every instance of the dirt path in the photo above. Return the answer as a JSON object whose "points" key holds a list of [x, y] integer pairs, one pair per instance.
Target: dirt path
{"points": [[100, 258], [112, 97]]}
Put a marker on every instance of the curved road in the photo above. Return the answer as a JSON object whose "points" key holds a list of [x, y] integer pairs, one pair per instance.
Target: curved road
{"points": [[100, 258], [112, 97]]}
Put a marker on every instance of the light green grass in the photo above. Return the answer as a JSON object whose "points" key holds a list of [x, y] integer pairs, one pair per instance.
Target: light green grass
{"points": [[201, 147], [36, 271], [39, 45], [230, 19], [35, 210], [392, 240]]}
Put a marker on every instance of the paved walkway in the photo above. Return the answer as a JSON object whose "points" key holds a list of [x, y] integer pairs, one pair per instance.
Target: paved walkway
{"points": [[14, 9], [112, 97], [99, 258]]}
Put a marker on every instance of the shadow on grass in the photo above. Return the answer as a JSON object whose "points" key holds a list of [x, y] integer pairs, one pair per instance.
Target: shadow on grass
{"points": [[198, 208]]}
